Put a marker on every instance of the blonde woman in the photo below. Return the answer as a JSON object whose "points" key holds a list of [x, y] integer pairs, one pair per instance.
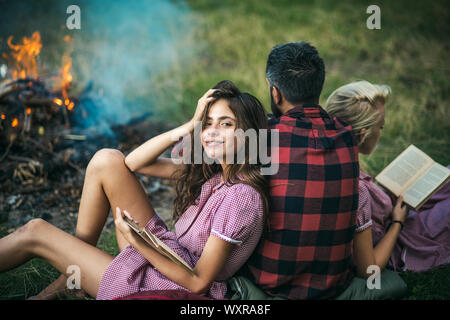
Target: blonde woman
{"points": [[386, 235]]}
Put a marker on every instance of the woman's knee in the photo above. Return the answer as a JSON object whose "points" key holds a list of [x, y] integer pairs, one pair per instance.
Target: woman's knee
{"points": [[106, 159], [32, 232]]}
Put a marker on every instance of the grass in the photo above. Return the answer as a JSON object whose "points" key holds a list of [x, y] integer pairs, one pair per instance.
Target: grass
{"points": [[408, 53], [30, 278], [232, 39]]}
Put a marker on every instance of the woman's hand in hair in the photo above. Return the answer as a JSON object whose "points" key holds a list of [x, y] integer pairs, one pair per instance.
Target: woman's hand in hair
{"points": [[201, 105]]}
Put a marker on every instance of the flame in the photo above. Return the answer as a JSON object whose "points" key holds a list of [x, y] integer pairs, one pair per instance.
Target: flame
{"points": [[23, 64], [58, 101], [22, 58], [64, 79]]}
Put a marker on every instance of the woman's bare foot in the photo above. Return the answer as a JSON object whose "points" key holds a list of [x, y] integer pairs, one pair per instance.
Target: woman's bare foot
{"points": [[57, 289]]}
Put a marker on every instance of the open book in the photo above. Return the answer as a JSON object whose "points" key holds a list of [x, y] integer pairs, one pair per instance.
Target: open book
{"points": [[414, 175], [157, 244]]}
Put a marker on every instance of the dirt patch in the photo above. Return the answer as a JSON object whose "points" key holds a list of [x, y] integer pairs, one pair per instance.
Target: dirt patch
{"points": [[56, 197]]}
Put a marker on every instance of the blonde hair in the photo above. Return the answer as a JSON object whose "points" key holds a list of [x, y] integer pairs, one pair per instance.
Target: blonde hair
{"points": [[355, 103]]}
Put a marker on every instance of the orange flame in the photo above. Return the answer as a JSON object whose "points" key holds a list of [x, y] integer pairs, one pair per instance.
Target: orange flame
{"points": [[3, 117], [58, 101], [28, 110], [15, 122], [64, 79], [22, 59]]}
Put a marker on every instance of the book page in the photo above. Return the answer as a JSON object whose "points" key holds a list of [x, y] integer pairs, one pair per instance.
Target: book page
{"points": [[159, 245], [168, 252], [140, 231], [426, 184], [402, 172]]}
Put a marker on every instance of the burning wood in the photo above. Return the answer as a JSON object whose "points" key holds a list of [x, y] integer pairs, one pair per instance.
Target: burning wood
{"points": [[32, 116], [22, 58], [25, 91], [42, 151]]}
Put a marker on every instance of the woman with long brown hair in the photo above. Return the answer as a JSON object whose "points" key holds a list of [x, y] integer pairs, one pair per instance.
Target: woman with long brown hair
{"points": [[220, 208]]}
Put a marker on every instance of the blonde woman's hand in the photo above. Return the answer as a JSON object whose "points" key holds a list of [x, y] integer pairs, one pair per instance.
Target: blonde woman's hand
{"points": [[201, 105], [400, 211]]}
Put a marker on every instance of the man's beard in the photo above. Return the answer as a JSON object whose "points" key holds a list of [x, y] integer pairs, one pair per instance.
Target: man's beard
{"points": [[275, 111]]}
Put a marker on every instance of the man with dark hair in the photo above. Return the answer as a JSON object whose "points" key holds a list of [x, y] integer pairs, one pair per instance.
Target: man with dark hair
{"points": [[297, 72], [314, 195]]}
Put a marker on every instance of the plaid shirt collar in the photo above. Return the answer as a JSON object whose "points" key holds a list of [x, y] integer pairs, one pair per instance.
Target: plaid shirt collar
{"points": [[309, 110]]}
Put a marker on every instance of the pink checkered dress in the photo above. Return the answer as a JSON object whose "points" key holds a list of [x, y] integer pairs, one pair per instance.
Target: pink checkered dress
{"points": [[423, 243], [231, 213]]}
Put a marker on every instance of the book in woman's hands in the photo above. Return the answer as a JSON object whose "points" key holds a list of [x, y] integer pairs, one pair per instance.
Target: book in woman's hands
{"points": [[414, 175], [158, 245]]}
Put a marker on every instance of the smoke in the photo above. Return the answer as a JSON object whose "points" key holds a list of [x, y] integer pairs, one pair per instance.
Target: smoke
{"points": [[128, 53], [125, 48]]}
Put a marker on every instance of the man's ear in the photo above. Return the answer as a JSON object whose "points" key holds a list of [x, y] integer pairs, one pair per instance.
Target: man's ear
{"points": [[276, 94]]}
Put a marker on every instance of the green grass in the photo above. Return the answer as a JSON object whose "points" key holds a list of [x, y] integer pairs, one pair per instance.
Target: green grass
{"points": [[408, 53], [232, 39], [429, 285], [30, 278]]}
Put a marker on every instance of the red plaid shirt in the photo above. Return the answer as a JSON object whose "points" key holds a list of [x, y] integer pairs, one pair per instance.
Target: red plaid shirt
{"points": [[314, 198]]}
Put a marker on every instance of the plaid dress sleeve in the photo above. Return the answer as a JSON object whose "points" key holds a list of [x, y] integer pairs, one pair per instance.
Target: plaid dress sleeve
{"points": [[363, 216], [240, 215]]}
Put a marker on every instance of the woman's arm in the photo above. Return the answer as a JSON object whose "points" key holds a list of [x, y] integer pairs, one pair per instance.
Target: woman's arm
{"points": [[211, 262], [364, 254], [145, 159]]}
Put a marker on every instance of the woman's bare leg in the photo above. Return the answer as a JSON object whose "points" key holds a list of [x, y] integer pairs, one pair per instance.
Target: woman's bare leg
{"points": [[108, 183], [38, 238]]}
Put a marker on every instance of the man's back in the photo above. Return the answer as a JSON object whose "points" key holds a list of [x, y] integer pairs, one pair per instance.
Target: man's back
{"points": [[314, 197]]}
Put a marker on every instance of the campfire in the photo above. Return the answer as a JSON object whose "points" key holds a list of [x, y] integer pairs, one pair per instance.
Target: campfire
{"points": [[33, 114], [43, 149]]}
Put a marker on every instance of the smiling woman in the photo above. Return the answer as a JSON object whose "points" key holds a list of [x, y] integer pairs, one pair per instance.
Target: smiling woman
{"points": [[227, 111], [220, 210], [218, 137]]}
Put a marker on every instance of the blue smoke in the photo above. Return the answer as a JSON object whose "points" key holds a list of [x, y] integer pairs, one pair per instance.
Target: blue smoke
{"points": [[122, 49]]}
